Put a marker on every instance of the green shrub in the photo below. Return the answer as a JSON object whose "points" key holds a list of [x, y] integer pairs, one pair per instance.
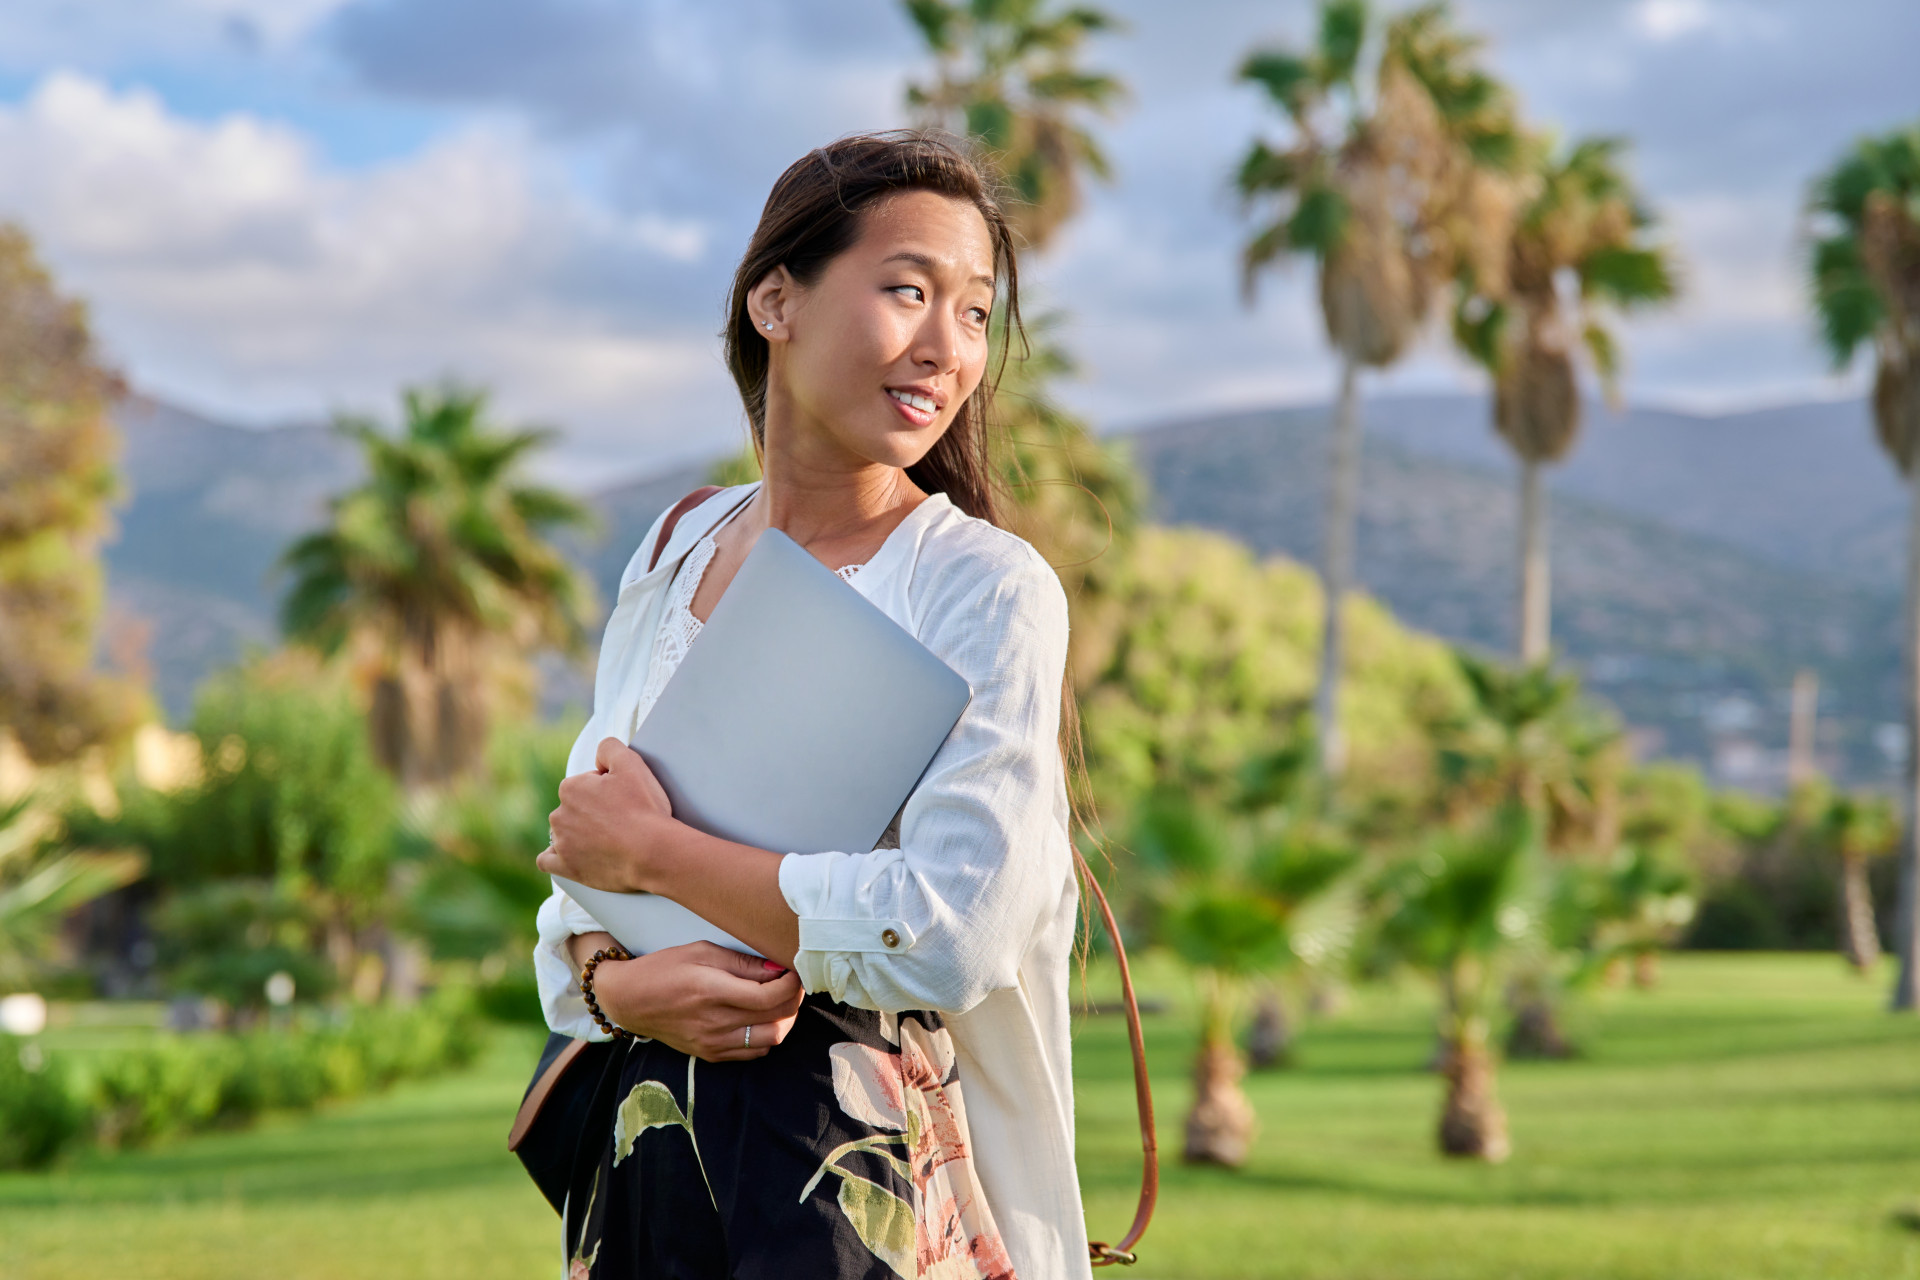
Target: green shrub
{"points": [[185, 1083], [39, 1114], [227, 937], [513, 999], [174, 1085]]}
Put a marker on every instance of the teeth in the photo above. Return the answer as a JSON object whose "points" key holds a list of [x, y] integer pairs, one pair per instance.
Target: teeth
{"points": [[922, 403]]}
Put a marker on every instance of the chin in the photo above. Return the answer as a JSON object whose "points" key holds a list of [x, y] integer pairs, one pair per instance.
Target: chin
{"points": [[895, 447]]}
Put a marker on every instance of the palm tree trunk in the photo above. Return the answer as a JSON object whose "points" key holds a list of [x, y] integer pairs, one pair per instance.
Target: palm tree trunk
{"points": [[1271, 1041], [1859, 939], [1536, 1031], [1906, 937], [1473, 1124], [1336, 567], [1221, 1125], [1536, 600]]}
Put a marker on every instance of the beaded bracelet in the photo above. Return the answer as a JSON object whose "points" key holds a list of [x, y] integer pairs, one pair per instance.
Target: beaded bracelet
{"points": [[615, 952]]}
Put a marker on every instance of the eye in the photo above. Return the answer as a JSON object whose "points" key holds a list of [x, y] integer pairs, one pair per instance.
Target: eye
{"points": [[920, 295], [979, 314]]}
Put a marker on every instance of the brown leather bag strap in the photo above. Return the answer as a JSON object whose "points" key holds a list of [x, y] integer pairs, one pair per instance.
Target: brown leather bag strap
{"points": [[1106, 1255], [680, 508], [1101, 1253]]}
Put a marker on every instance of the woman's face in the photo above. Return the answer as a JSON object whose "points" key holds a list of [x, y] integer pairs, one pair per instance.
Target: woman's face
{"points": [[873, 360]]}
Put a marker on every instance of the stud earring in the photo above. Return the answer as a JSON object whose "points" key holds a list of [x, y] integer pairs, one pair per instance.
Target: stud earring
{"points": [[769, 324]]}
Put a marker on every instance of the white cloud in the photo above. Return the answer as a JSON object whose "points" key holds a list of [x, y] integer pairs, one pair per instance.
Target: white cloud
{"points": [[1730, 21], [1663, 20], [231, 268]]}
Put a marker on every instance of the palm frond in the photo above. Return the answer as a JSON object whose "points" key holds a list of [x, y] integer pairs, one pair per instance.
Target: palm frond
{"points": [[1062, 33], [549, 508], [1265, 171], [1176, 837], [936, 21], [1224, 930], [1850, 306], [1289, 80], [33, 904], [1343, 31], [1627, 275], [1261, 251], [1081, 88], [1879, 172], [1478, 324], [1319, 221], [1605, 353], [991, 122]]}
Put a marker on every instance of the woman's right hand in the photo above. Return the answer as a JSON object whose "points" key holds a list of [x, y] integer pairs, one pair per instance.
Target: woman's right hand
{"points": [[700, 999]]}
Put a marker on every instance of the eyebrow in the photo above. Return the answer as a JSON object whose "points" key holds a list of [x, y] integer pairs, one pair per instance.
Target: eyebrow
{"points": [[922, 260]]}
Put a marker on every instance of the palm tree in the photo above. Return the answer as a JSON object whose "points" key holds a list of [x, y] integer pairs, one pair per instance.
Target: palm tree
{"points": [[437, 571], [1645, 899], [1856, 828], [1235, 902], [40, 883], [1531, 742], [1007, 78], [1461, 912], [1583, 224], [1387, 191], [1866, 286]]}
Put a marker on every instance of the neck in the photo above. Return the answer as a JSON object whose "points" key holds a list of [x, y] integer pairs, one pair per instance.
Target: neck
{"points": [[816, 491]]}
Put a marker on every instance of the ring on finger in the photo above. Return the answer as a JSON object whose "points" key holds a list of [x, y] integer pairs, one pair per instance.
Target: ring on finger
{"points": [[746, 1041]]}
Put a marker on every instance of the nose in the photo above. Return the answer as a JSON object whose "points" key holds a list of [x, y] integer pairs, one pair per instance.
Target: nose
{"points": [[937, 345]]}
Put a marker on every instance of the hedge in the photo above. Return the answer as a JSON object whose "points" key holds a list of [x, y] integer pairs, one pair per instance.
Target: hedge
{"points": [[186, 1083]]}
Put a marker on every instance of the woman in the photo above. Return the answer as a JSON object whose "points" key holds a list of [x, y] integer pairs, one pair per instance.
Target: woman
{"points": [[804, 1116]]}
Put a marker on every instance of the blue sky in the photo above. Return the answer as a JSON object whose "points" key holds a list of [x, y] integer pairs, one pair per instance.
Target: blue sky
{"points": [[282, 208]]}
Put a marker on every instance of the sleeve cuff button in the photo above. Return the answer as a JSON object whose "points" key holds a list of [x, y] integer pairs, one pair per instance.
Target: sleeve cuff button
{"points": [[889, 937]]}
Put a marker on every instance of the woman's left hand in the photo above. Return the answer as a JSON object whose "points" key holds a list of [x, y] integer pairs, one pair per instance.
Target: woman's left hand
{"points": [[608, 822]]}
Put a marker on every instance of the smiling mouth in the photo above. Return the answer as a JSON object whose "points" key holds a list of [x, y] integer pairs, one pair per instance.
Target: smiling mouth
{"points": [[917, 409]]}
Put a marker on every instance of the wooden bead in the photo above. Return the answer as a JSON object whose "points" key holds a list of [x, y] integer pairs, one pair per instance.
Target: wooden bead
{"points": [[615, 952]]}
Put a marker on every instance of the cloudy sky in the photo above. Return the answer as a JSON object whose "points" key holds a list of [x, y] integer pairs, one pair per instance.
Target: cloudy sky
{"points": [[283, 208]]}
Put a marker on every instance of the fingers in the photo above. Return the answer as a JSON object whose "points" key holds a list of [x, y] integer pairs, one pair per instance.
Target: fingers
{"points": [[726, 959], [735, 1045], [609, 755], [550, 862], [775, 998]]}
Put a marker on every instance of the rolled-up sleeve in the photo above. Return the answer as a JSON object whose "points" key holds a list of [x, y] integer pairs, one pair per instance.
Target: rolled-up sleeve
{"points": [[945, 918], [559, 920]]}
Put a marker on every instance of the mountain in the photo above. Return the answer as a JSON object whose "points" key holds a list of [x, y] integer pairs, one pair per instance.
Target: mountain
{"points": [[211, 507], [1698, 562], [1802, 485]]}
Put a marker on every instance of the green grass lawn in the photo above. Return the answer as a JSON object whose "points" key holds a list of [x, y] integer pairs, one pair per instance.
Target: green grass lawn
{"points": [[1756, 1118]]}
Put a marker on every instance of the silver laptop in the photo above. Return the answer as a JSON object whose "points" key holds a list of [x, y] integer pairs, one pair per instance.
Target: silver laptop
{"points": [[799, 720]]}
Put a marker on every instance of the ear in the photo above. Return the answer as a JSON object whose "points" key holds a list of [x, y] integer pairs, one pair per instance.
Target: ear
{"points": [[770, 303]]}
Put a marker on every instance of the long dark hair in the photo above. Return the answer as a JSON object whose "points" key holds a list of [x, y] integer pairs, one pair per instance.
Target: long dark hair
{"points": [[813, 215]]}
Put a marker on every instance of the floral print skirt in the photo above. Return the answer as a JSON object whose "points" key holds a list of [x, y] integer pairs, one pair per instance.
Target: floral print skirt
{"points": [[842, 1153]]}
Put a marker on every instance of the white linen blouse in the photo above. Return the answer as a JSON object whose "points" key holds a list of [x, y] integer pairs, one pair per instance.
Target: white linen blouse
{"points": [[980, 894]]}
